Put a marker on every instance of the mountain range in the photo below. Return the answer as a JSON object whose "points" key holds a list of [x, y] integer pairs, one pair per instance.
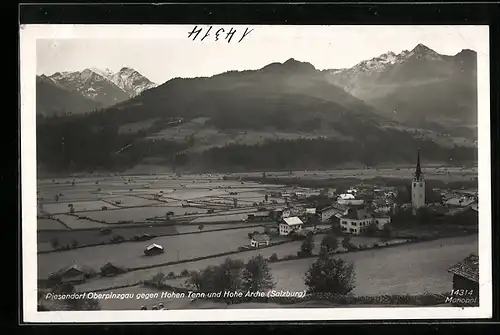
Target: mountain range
{"points": [[419, 87], [103, 87], [283, 116]]}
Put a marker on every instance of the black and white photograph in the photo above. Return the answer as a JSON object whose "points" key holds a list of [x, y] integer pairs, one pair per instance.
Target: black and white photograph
{"points": [[255, 172]]}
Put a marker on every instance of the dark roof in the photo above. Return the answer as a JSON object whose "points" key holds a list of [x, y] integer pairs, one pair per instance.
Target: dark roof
{"points": [[82, 269], [339, 206], [111, 265], [467, 268], [380, 202], [324, 208], [380, 215], [357, 214], [261, 238]]}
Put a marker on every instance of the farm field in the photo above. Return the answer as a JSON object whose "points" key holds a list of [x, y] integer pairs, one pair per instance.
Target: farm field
{"points": [[92, 237], [281, 250], [63, 207], [76, 223], [424, 272], [130, 201], [131, 254], [221, 218], [446, 174], [129, 214], [415, 268], [49, 224]]}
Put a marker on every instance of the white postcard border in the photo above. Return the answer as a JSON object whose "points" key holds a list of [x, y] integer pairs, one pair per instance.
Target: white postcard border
{"points": [[28, 36]]}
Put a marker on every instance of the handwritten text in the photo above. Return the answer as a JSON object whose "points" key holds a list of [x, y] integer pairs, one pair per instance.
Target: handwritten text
{"points": [[218, 34]]}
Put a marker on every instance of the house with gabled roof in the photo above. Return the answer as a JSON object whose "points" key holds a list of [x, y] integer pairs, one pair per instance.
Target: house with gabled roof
{"points": [[358, 220], [110, 269], [153, 249], [260, 240], [71, 274], [289, 224], [466, 278]]}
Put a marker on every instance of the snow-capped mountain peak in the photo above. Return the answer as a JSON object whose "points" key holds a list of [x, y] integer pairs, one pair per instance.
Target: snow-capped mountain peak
{"points": [[106, 73], [423, 52], [104, 85], [131, 81]]}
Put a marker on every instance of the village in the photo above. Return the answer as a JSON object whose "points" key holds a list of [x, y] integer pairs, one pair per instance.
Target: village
{"points": [[121, 240]]}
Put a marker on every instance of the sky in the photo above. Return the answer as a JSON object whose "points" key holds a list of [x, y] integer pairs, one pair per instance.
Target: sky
{"points": [[165, 52]]}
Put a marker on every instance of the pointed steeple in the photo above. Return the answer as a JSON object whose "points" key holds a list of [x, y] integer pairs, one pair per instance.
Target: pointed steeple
{"points": [[418, 170]]}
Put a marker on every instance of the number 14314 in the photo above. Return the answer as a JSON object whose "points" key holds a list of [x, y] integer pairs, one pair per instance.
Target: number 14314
{"points": [[462, 292]]}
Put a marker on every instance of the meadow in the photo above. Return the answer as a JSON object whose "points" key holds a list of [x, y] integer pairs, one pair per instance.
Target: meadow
{"points": [[94, 236], [407, 269], [281, 251], [415, 269], [131, 254]]}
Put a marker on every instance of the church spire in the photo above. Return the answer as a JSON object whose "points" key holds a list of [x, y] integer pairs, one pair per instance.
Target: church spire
{"points": [[418, 171]]}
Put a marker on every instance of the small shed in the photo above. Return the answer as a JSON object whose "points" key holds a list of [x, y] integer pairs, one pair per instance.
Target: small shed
{"points": [[153, 249], [466, 277], [259, 240], [71, 274], [109, 270]]}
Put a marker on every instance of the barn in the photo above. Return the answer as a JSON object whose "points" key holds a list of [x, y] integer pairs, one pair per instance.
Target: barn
{"points": [[153, 249], [109, 270]]}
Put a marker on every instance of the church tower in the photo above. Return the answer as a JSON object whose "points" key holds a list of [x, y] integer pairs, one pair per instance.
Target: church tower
{"points": [[418, 186]]}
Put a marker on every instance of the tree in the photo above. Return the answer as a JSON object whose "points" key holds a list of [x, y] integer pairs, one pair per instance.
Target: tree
{"points": [[158, 278], [257, 275], [266, 198], [329, 243], [226, 276], [424, 216], [273, 258], [308, 245], [195, 279], [74, 243], [346, 243], [371, 230], [55, 243], [330, 275], [386, 233], [313, 220], [201, 226]]}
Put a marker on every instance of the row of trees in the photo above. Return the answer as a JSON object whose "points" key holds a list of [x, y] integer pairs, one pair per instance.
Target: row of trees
{"points": [[310, 153], [426, 216], [233, 275], [326, 275], [92, 142]]}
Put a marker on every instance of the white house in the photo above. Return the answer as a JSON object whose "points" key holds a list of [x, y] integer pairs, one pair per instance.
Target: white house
{"points": [[460, 201], [260, 240], [357, 222], [311, 211], [290, 224]]}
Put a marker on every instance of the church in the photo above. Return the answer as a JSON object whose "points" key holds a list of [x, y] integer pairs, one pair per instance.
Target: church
{"points": [[418, 187]]}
